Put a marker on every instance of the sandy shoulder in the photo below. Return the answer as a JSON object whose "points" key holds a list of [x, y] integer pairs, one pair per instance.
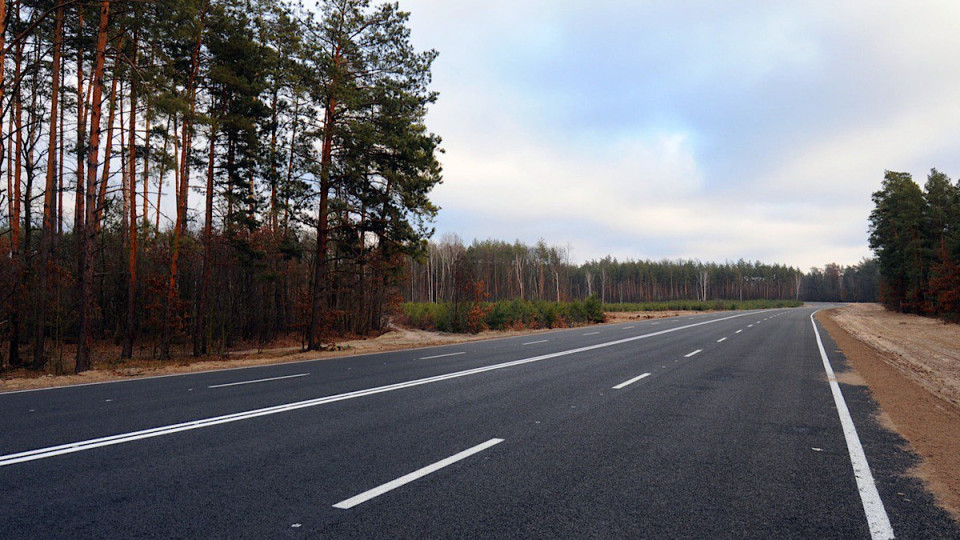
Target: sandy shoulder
{"points": [[911, 365], [924, 349]]}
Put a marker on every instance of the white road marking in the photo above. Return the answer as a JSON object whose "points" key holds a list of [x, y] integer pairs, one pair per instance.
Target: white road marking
{"points": [[654, 323], [738, 331], [749, 326], [419, 473], [120, 438], [628, 327], [872, 505], [442, 355], [258, 380], [693, 353], [631, 381], [721, 340], [534, 342], [591, 333]]}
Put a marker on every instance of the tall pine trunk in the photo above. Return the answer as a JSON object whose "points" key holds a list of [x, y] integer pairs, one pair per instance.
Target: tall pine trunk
{"points": [[127, 351], [320, 275], [200, 326], [107, 152], [49, 201], [85, 281], [183, 190], [13, 174]]}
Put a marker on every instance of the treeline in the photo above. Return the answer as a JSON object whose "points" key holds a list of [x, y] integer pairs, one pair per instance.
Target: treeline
{"points": [[497, 270], [190, 173], [915, 234], [835, 283]]}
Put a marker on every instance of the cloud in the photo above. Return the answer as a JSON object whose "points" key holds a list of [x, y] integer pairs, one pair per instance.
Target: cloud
{"points": [[690, 128]]}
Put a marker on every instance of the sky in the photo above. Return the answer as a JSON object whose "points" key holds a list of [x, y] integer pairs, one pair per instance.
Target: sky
{"points": [[686, 129]]}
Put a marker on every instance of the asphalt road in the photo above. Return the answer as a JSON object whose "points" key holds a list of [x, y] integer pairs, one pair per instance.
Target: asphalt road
{"points": [[710, 426]]}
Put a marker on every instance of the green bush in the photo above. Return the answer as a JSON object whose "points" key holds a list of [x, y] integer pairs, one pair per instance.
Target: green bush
{"points": [[507, 314], [693, 305]]}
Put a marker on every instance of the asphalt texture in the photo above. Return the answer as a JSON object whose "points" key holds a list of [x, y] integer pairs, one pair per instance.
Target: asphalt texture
{"points": [[740, 440]]}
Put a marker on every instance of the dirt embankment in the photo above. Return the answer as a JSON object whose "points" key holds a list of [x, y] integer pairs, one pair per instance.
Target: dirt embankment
{"points": [[912, 366]]}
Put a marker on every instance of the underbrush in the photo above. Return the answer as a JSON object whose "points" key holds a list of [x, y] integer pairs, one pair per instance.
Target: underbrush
{"points": [[516, 314], [710, 305]]}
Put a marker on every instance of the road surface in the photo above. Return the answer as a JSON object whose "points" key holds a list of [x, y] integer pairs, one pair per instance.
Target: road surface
{"points": [[716, 425]]}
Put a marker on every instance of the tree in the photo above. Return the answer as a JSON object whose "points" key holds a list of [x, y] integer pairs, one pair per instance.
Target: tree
{"points": [[897, 237], [88, 231], [365, 60]]}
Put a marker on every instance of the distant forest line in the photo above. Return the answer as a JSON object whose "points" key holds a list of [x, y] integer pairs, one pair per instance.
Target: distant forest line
{"points": [[496, 270]]}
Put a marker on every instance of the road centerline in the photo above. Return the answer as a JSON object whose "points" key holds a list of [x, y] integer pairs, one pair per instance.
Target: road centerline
{"points": [[441, 355], [415, 475], [238, 383], [624, 384]]}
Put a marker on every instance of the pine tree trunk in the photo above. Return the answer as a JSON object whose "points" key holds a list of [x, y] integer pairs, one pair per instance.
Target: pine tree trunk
{"points": [[127, 351], [166, 146], [13, 174], [79, 212], [107, 153], [200, 329], [183, 191], [146, 167], [49, 201], [90, 225], [320, 270]]}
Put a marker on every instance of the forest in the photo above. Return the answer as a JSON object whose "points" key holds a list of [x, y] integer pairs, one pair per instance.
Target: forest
{"points": [[915, 234], [183, 176], [173, 168]]}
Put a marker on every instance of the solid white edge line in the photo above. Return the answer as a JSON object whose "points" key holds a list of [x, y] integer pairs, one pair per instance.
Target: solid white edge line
{"points": [[535, 342], [693, 353], [442, 355], [417, 474], [258, 380], [624, 384], [120, 438], [877, 519]]}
